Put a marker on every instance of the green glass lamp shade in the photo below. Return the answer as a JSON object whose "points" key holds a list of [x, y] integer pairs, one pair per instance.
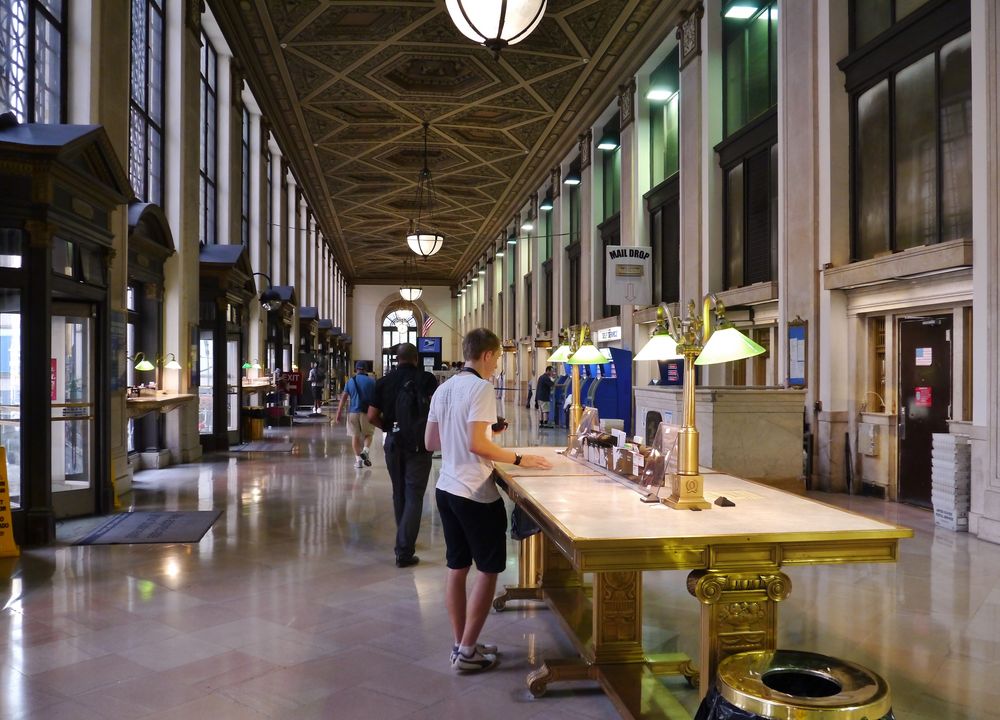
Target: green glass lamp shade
{"points": [[255, 366], [142, 363], [587, 355], [660, 347], [727, 345], [172, 365], [561, 354], [246, 366]]}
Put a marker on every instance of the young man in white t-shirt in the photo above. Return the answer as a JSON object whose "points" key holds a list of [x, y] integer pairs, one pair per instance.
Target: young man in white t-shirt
{"points": [[473, 517]]}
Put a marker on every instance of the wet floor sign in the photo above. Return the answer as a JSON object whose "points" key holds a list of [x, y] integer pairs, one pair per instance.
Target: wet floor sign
{"points": [[8, 548]]}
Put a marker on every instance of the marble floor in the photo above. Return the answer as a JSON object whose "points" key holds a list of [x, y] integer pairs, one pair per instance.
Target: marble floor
{"points": [[291, 607]]}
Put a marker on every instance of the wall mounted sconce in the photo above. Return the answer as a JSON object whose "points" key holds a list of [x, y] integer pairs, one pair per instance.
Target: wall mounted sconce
{"points": [[142, 364], [546, 204], [269, 299]]}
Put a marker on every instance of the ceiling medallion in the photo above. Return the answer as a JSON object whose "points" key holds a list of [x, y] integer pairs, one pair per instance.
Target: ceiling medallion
{"points": [[496, 23], [421, 238]]}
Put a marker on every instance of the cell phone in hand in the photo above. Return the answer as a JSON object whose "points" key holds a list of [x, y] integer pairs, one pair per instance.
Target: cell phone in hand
{"points": [[500, 425]]}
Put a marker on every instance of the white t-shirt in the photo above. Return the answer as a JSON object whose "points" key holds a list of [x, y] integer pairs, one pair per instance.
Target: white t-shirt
{"points": [[462, 399]]}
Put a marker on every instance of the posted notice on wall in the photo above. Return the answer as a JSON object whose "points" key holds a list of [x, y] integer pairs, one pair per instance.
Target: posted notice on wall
{"points": [[627, 279]]}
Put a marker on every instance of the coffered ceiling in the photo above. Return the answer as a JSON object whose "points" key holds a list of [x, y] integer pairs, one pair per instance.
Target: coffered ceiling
{"points": [[346, 85]]}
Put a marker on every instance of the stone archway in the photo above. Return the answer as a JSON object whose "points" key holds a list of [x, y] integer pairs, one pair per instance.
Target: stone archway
{"points": [[392, 303]]}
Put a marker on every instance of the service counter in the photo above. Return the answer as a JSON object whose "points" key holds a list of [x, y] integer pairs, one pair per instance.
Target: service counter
{"points": [[594, 523], [160, 402]]}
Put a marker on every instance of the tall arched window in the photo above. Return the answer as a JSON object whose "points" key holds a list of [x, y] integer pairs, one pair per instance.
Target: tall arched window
{"points": [[398, 326]]}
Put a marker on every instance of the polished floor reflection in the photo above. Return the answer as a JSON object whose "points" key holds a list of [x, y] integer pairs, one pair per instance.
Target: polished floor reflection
{"points": [[291, 607]]}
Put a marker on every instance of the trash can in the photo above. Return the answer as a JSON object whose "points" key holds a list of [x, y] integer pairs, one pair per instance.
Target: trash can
{"points": [[253, 422], [795, 685]]}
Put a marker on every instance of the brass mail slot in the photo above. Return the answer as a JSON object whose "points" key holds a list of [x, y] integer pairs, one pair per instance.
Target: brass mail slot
{"points": [[628, 270]]}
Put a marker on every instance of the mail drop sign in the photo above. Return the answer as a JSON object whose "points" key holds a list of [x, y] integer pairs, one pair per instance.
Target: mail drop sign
{"points": [[628, 277]]}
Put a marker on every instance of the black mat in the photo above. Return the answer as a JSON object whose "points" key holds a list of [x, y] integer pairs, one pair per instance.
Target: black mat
{"points": [[188, 526], [263, 446]]}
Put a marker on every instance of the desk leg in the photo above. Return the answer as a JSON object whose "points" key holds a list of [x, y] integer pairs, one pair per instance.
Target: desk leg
{"points": [[541, 565], [617, 617], [739, 613], [529, 573]]}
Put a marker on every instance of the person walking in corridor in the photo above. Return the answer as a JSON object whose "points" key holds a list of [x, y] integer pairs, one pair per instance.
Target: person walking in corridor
{"points": [[358, 392], [544, 396], [400, 405], [461, 422]]}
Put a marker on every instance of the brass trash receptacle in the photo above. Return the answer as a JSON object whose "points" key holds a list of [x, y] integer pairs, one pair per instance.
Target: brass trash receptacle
{"points": [[795, 685], [253, 423]]}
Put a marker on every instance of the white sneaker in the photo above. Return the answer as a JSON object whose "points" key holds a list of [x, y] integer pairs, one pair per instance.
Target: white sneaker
{"points": [[477, 662], [358, 464], [484, 648]]}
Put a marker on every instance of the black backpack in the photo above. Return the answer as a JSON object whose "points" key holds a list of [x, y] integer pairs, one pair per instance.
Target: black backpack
{"points": [[412, 406]]}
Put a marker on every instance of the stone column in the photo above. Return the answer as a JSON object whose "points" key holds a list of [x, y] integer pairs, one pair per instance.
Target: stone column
{"points": [[291, 271], [829, 331], [984, 518], [633, 215], [182, 126], [692, 140], [559, 217], [588, 230], [224, 148], [277, 220], [255, 217]]}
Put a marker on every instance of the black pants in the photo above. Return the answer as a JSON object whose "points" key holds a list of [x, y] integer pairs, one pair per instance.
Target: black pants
{"points": [[409, 472]]}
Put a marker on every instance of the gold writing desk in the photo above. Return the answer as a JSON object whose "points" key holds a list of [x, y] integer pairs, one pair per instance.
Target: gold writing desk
{"points": [[595, 524]]}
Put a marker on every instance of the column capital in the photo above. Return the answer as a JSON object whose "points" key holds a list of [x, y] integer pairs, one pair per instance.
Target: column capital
{"points": [[626, 104], [555, 175], [192, 15], [533, 206], [586, 140], [689, 34]]}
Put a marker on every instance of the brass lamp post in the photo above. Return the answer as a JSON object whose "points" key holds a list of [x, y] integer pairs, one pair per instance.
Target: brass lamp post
{"points": [[698, 344], [586, 353], [568, 346]]}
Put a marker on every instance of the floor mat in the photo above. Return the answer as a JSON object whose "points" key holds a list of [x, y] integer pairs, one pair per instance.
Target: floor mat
{"points": [[263, 446], [182, 526]]}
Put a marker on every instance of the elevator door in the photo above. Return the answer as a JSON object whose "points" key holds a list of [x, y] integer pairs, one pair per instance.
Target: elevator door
{"points": [[924, 400], [72, 396]]}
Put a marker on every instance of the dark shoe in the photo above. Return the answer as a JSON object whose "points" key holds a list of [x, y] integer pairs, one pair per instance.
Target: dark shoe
{"points": [[407, 562]]}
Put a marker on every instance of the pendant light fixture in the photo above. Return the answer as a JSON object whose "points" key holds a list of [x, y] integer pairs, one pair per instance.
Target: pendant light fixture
{"points": [[410, 290], [496, 23], [422, 238]]}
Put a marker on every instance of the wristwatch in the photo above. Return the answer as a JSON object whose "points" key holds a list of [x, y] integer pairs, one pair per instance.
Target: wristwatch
{"points": [[517, 459]]}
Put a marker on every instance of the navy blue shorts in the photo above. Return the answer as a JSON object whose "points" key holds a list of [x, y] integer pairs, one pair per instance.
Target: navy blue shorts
{"points": [[473, 531]]}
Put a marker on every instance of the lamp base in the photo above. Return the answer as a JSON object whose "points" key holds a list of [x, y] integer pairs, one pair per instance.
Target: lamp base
{"points": [[687, 492]]}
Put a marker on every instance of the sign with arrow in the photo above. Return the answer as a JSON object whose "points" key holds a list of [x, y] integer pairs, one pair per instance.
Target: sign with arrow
{"points": [[628, 275]]}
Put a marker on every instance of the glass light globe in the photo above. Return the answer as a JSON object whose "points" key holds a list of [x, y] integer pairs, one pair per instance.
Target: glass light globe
{"points": [[410, 293], [496, 23], [424, 244]]}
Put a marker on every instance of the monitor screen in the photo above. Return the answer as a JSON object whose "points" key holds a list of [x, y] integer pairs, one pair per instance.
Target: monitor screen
{"points": [[429, 345]]}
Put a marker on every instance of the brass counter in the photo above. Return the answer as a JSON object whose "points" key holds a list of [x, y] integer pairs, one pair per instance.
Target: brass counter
{"points": [[595, 524], [160, 402]]}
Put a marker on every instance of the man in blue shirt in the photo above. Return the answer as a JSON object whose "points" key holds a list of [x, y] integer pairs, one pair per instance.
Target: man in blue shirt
{"points": [[359, 390]]}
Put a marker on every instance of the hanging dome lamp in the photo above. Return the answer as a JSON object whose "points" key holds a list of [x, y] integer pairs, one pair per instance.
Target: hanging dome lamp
{"points": [[496, 23], [422, 239]]}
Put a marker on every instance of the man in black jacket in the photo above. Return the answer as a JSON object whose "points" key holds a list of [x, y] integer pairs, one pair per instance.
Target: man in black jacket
{"points": [[544, 396], [399, 408]]}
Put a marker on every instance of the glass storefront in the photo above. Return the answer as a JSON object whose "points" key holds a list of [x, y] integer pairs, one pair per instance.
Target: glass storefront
{"points": [[10, 388]]}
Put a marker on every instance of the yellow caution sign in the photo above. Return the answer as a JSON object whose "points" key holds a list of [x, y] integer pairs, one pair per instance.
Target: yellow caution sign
{"points": [[8, 548]]}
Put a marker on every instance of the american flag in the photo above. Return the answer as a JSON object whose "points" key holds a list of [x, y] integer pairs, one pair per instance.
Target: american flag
{"points": [[426, 328]]}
